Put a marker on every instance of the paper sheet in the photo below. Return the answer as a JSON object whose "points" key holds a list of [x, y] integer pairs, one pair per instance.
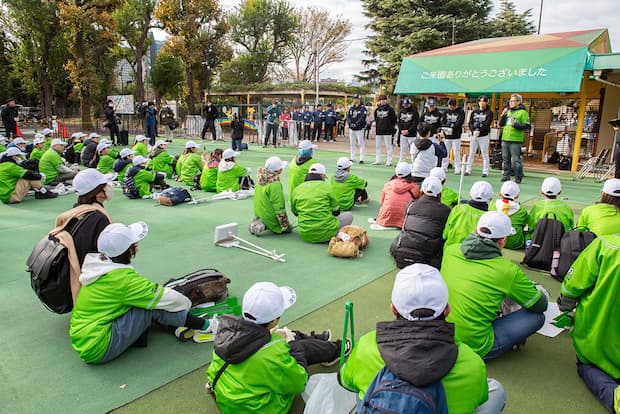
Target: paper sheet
{"points": [[548, 329]]}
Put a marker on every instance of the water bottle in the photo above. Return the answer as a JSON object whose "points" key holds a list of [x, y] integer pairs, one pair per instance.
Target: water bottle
{"points": [[528, 243]]}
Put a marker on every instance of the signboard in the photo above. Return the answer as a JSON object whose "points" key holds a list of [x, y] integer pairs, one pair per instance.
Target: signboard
{"points": [[123, 104]]}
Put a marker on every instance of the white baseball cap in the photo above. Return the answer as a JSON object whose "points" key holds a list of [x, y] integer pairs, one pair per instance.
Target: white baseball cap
{"points": [[612, 187], [317, 169], [116, 238], [47, 131], [13, 151], [38, 140], [432, 186], [80, 135], [229, 153], [2, 138], [93, 135], [510, 190], [160, 142], [275, 164], [306, 145], [265, 301], [481, 191], [125, 152], [402, 169], [497, 223], [343, 163], [140, 138], [419, 286], [87, 180], [439, 173], [139, 160], [551, 186], [19, 140], [105, 141], [191, 144], [57, 141], [103, 145]]}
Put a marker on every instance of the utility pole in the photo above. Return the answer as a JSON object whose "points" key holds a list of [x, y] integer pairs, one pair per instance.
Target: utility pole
{"points": [[453, 30], [540, 16], [316, 72]]}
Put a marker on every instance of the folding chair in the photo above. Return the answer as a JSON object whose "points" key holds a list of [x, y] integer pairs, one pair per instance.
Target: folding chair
{"points": [[588, 166]]}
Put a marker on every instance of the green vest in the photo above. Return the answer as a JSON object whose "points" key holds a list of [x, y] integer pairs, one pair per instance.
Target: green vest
{"points": [[511, 134]]}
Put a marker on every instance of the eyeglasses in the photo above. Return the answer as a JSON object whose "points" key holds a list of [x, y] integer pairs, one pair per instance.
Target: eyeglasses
{"points": [[514, 100]]}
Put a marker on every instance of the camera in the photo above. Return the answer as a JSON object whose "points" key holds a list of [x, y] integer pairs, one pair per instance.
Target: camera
{"points": [[141, 108]]}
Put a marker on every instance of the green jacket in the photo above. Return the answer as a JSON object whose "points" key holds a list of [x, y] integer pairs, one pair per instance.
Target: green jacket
{"points": [[543, 207], [142, 181], [297, 174], [48, 165], [344, 190], [593, 280], [461, 222], [268, 202], [449, 197], [36, 154], [162, 162], [208, 178], [140, 148], [192, 166], [601, 218], [179, 167], [522, 120], [519, 219], [479, 278], [314, 203], [77, 147], [105, 164], [228, 176], [465, 385], [10, 173]]}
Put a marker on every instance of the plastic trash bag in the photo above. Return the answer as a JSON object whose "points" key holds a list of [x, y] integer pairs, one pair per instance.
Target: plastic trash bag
{"points": [[323, 395]]}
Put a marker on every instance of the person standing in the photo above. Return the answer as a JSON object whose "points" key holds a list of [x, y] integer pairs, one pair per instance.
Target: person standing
{"points": [[151, 123], [515, 122], [331, 119], [356, 118], [298, 118], [307, 119], [319, 120], [273, 118], [285, 117], [112, 122], [615, 123], [408, 119], [431, 116], [385, 119], [452, 128], [237, 126], [210, 114], [9, 115], [480, 127]]}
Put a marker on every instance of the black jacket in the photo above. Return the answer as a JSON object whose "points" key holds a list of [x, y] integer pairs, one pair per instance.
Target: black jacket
{"points": [[385, 119], [29, 175], [455, 120], [420, 352], [8, 117], [480, 120], [85, 239], [237, 129], [433, 119], [119, 164], [421, 239], [356, 117], [408, 120], [88, 152], [211, 113], [238, 339]]}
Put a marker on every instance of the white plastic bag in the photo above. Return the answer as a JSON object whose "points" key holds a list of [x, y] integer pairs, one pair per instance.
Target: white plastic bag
{"points": [[323, 395]]}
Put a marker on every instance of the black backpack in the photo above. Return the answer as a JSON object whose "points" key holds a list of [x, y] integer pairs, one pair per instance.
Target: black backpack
{"points": [[573, 243], [545, 245], [173, 196], [201, 286], [50, 276]]}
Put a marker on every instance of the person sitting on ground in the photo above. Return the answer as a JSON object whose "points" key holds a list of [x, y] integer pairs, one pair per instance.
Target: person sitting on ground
{"points": [[479, 278], [20, 144], [421, 238], [395, 196], [300, 165], [604, 216], [113, 153], [463, 218], [16, 181], [551, 206], [449, 197], [348, 188], [123, 163], [78, 146], [426, 152], [419, 347], [314, 203], [191, 167], [257, 367], [138, 181], [230, 174], [105, 163], [116, 305], [161, 160], [48, 134], [140, 147], [269, 202], [592, 285], [53, 166], [507, 204], [89, 149], [208, 178], [37, 147]]}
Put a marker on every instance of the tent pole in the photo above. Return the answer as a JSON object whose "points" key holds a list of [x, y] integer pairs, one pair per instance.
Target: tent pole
{"points": [[583, 101]]}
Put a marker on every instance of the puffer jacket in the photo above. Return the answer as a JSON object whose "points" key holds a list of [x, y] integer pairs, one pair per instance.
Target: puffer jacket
{"points": [[425, 155], [394, 198]]}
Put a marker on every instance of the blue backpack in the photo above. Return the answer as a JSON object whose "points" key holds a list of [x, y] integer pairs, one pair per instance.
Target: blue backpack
{"points": [[388, 394]]}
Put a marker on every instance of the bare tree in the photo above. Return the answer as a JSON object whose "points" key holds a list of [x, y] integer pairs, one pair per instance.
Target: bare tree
{"points": [[321, 33]]}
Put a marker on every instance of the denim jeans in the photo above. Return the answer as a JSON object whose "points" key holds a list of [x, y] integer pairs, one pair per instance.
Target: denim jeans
{"points": [[511, 153], [270, 129], [599, 383], [128, 328], [513, 329], [497, 399]]}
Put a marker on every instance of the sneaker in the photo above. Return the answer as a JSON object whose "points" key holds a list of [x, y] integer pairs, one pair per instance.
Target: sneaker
{"points": [[323, 336], [347, 352], [617, 399], [466, 174], [42, 196], [518, 180], [485, 175], [504, 178], [457, 172], [352, 160], [184, 334], [361, 161], [376, 163], [388, 164], [518, 346]]}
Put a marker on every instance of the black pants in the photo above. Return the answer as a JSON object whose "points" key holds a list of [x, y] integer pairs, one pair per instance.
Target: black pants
{"points": [[114, 132], [10, 131], [284, 133], [309, 351], [361, 195], [271, 129], [317, 131], [617, 159], [307, 131], [151, 132], [329, 132], [210, 126]]}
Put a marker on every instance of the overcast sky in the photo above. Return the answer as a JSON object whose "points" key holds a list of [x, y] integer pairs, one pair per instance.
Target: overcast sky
{"points": [[558, 16]]}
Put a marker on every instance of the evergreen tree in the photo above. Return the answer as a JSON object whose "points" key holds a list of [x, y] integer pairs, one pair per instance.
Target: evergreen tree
{"points": [[510, 23]]}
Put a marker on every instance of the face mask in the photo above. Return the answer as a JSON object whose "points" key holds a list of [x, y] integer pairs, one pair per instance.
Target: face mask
{"points": [[108, 192]]}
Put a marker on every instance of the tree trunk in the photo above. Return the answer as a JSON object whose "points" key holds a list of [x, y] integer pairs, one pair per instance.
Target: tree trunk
{"points": [[191, 99], [85, 104], [139, 70], [46, 81]]}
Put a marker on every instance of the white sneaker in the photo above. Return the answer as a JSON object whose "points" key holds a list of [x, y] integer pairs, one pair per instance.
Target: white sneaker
{"points": [[376, 163]]}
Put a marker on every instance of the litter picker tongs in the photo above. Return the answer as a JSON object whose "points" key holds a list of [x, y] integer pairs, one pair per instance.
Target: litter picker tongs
{"points": [[226, 236]]}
